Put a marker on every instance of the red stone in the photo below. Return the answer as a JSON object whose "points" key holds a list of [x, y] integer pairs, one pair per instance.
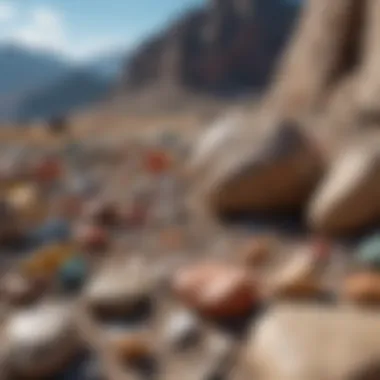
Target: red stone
{"points": [[157, 162], [216, 290], [48, 170]]}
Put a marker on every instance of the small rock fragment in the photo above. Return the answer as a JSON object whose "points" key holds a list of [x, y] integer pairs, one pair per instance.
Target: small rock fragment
{"points": [[182, 329], [42, 339], [123, 288], [17, 289], [130, 345], [215, 289], [102, 212], [362, 288], [48, 170], [72, 273]]}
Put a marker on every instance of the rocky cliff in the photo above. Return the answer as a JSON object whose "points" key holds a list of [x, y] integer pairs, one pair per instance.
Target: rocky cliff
{"points": [[227, 45]]}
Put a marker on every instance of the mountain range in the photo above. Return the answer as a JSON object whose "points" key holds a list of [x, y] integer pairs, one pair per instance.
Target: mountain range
{"points": [[227, 47], [38, 85]]}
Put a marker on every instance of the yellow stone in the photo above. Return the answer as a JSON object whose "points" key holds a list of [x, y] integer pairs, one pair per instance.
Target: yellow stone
{"points": [[46, 261]]}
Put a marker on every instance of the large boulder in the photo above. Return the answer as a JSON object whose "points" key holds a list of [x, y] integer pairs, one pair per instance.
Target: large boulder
{"points": [[304, 342], [273, 170], [42, 339], [215, 141], [349, 197]]}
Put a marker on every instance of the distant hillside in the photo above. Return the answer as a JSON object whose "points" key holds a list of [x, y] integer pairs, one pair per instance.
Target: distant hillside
{"points": [[37, 85], [71, 93], [227, 46], [109, 66], [22, 69]]}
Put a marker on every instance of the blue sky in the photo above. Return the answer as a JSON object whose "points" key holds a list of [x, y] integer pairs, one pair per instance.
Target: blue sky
{"points": [[81, 29]]}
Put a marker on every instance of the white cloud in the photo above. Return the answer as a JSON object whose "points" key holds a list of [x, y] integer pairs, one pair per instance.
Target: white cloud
{"points": [[7, 11], [44, 30]]}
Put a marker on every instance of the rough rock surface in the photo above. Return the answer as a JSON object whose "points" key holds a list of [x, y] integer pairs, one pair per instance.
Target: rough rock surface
{"points": [[301, 343], [348, 199], [224, 45], [276, 170]]}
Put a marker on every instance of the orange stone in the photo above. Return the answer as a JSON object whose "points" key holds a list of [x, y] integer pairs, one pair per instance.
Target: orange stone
{"points": [[157, 162], [132, 346], [216, 290], [362, 288]]}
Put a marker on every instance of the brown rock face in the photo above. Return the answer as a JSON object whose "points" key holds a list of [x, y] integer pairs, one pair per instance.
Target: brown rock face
{"points": [[226, 45], [215, 290]]}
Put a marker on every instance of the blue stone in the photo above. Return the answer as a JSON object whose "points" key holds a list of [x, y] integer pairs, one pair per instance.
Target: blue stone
{"points": [[73, 273], [54, 231]]}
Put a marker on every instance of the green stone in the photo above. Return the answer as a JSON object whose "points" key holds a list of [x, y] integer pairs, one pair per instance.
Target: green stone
{"points": [[73, 273]]}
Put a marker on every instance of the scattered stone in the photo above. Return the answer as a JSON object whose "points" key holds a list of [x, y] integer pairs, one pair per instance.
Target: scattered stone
{"points": [[44, 263], [102, 212], [91, 237], [26, 201], [10, 229], [72, 274], [216, 290], [348, 198], [362, 288], [123, 288], [18, 290], [42, 339], [220, 356], [298, 279], [182, 329], [369, 253], [130, 345], [157, 162], [48, 170], [308, 342]]}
